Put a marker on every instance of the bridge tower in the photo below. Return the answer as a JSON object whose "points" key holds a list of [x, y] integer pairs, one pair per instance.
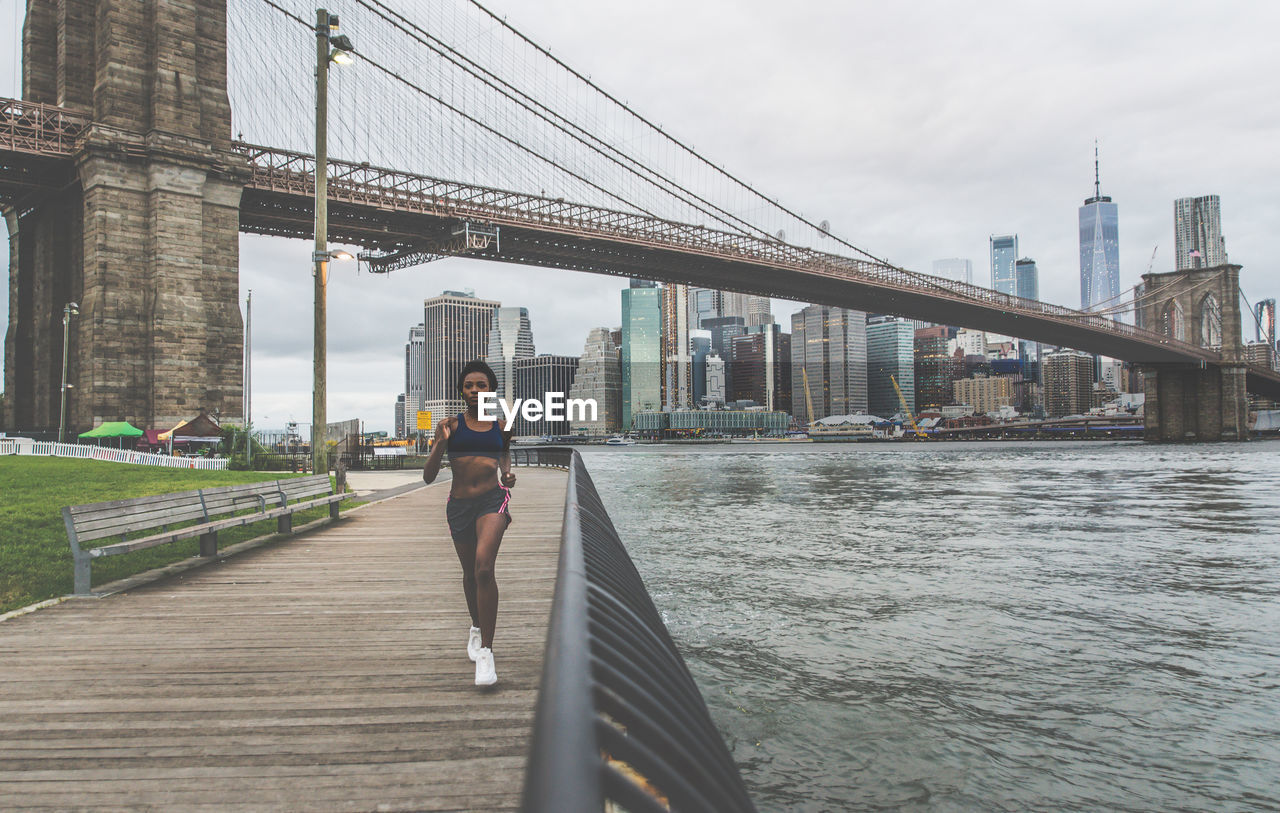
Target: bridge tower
{"points": [[143, 234], [1191, 401]]}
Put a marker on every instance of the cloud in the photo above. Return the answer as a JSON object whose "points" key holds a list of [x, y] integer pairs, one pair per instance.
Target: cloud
{"points": [[918, 130]]}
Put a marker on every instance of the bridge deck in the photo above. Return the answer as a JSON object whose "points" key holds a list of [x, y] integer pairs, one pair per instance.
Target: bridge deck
{"points": [[327, 672]]}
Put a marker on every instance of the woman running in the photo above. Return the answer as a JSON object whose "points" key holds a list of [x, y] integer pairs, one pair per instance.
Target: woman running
{"points": [[478, 507]]}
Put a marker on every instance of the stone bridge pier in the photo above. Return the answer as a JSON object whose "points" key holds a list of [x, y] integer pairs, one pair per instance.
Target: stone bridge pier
{"points": [[1191, 402], [144, 232]]}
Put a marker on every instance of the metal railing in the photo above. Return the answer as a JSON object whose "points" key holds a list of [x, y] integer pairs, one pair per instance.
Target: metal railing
{"points": [[619, 717]]}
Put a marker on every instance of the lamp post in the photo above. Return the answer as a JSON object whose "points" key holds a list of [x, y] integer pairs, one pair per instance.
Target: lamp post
{"points": [[328, 49], [69, 310]]}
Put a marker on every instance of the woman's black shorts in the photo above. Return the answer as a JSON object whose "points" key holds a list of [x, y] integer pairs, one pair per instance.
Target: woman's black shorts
{"points": [[464, 511]]}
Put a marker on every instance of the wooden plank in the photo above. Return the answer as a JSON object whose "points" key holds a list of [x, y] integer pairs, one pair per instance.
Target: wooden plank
{"points": [[329, 670]]}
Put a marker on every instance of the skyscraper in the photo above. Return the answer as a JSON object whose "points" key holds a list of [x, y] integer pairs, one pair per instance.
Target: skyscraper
{"points": [[1026, 279], [599, 377], [954, 268], [1265, 314], [415, 376], [759, 311], [510, 338], [456, 328], [936, 367], [1197, 233], [535, 377], [704, 303], [762, 367], [1068, 383], [641, 350], [890, 352], [829, 348], [699, 349], [1099, 248], [677, 380], [1004, 254]]}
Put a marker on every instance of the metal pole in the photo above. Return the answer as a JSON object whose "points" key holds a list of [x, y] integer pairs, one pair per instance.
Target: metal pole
{"points": [[248, 376], [319, 421], [62, 408]]}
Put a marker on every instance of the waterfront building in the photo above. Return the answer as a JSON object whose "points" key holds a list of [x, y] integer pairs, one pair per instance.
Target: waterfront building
{"points": [[761, 368], [599, 377], [1068, 383], [537, 376], [1099, 248], [398, 420], [1004, 257], [415, 376], [954, 268], [456, 330], [715, 387], [510, 338], [985, 393], [695, 422], [890, 352], [1197, 233], [936, 367], [677, 364], [829, 346], [641, 349]]}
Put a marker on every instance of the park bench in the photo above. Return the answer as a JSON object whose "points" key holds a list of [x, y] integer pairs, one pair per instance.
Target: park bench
{"points": [[150, 521]]}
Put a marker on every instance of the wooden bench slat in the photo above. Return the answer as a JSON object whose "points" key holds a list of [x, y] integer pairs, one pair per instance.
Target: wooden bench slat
{"points": [[212, 509]]}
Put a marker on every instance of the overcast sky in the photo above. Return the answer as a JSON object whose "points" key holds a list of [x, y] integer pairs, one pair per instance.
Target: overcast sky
{"points": [[917, 129]]}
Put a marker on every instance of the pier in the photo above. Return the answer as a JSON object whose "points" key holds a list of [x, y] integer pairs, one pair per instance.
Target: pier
{"points": [[326, 671]]}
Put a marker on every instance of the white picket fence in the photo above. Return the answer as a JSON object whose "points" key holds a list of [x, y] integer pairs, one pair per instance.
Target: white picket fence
{"points": [[24, 446]]}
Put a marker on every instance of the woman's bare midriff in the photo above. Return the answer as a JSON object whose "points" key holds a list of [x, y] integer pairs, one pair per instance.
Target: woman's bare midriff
{"points": [[473, 475]]}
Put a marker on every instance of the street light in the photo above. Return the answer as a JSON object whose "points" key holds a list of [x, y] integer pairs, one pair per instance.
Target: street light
{"points": [[336, 49], [69, 310]]}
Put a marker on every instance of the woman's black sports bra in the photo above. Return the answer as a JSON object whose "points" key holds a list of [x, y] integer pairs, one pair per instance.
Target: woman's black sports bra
{"points": [[466, 442]]}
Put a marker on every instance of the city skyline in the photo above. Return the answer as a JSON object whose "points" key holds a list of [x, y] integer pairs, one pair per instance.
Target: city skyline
{"points": [[912, 200]]}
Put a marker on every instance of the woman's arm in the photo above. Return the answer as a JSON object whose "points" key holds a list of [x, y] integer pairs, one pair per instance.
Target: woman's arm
{"points": [[504, 462], [438, 446]]}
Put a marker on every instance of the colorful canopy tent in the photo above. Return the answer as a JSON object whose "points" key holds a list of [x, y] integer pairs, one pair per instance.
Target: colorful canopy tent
{"points": [[200, 429], [113, 429]]}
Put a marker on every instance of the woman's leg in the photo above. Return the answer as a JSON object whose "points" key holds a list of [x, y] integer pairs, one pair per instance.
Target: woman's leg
{"points": [[467, 557], [489, 531]]}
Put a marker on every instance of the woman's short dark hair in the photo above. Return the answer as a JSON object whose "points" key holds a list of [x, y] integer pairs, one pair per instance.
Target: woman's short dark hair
{"points": [[478, 366]]}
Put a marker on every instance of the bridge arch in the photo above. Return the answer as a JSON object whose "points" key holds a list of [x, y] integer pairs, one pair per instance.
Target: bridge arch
{"points": [[1173, 321], [1210, 321]]}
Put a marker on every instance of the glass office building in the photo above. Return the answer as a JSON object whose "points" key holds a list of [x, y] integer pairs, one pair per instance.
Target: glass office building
{"points": [[1004, 257], [829, 348], [1197, 233], [641, 349], [1099, 253], [890, 352]]}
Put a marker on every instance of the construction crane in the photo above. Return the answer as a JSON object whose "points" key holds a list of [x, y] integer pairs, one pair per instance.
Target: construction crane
{"points": [[911, 421], [1152, 261], [808, 398]]}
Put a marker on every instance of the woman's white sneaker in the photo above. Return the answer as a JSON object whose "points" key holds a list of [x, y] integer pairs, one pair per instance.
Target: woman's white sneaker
{"points": [[486, 675], [473, 643]]}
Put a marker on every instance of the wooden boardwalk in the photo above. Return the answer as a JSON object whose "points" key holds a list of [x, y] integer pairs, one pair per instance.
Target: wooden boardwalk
{"points": [[328, 672]]}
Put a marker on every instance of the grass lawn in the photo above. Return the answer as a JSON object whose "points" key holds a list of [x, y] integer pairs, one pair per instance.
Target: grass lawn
{"points": [[35, 557]]}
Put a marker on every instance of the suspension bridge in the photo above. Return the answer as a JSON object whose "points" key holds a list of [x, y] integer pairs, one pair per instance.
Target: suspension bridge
{"points": [[483, 145]]}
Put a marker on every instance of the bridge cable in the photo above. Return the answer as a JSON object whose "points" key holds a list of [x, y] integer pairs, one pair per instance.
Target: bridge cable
{"points": [[419, 89]]}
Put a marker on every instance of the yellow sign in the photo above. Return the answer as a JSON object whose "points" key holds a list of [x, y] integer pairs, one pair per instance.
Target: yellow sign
{"points": [[424, 421]]}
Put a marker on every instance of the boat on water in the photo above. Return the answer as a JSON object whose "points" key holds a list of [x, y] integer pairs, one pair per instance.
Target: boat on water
{"points": [[618, 440]]}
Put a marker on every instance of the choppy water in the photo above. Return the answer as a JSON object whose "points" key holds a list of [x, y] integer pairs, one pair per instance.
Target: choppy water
{"points": [[984, 626]]}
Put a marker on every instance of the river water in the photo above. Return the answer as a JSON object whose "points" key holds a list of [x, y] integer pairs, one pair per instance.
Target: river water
{"points": [[972, 626]]}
